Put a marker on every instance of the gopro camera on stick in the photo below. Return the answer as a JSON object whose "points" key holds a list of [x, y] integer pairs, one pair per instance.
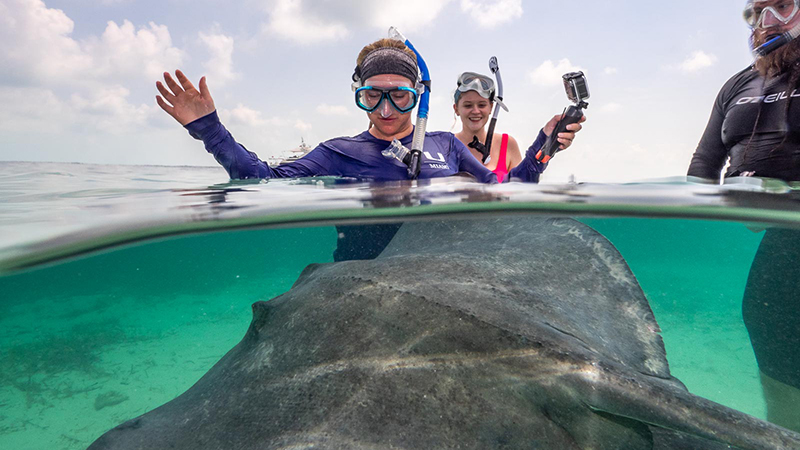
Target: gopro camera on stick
{"points": [[578, 93]]}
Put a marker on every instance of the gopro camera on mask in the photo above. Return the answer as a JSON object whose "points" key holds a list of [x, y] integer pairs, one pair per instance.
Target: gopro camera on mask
{"points": [[577, 93]]}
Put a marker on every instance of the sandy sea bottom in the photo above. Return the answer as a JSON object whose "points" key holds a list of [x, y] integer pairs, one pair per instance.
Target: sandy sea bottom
{"points": [[89, 344]]}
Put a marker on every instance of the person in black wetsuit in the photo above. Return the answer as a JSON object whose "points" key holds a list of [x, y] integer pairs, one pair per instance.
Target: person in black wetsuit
{"points": [[755, 126]]}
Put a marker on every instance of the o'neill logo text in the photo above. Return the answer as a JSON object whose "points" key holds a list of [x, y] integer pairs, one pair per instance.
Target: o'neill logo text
{"points": [[772, 98]]}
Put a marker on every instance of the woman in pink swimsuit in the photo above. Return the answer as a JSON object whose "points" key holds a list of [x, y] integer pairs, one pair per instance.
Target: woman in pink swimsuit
{"points": [[473, 103]]}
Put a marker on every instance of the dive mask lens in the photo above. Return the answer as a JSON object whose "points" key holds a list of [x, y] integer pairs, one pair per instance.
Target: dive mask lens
{"points": [[780, 13], [403, 99], [483, 85], [369, 98]]}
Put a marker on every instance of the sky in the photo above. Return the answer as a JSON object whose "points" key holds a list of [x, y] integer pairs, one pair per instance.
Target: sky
{"points": [[77, 77]]}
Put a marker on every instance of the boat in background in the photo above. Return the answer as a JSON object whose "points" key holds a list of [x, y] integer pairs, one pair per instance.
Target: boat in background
{"points": [[291, 155]]}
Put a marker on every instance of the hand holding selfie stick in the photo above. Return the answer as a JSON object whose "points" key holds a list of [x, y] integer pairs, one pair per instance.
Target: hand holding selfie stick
{"points": [[578, 93]]}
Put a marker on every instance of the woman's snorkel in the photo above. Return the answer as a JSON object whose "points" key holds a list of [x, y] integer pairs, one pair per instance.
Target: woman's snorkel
{"points": [[499, 99], [412, 157]]}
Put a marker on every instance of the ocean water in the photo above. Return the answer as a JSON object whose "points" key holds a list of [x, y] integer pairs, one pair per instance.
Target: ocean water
{"points": [[103, 326]]}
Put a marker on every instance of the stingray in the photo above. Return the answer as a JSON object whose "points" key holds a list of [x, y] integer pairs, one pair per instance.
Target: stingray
{"points": [[510, 333]]}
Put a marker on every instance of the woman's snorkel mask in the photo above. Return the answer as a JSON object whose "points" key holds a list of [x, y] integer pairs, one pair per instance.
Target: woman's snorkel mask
{"points": [[471, 81], [759, 15]]}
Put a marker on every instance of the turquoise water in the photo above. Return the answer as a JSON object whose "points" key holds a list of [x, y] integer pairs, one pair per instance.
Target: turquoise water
{"points": [[694, 274], [140, 325], [87, 343]]}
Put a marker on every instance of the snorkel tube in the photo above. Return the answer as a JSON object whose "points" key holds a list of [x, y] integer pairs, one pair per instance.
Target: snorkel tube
{"points": [[777, 42], [757, 20], [415, 154], [499, 99]]}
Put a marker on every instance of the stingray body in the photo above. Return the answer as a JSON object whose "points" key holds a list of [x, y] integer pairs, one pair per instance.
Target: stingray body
{"points": [[512, 333]]}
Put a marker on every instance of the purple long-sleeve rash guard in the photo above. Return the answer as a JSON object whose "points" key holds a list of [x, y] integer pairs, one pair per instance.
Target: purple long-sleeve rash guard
{"points": [[358, 157]]}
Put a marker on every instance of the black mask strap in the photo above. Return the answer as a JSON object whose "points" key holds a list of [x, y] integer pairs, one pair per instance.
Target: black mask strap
{"points": [[477, 145]]}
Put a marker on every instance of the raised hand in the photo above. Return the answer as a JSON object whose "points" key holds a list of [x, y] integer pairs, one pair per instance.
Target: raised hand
{"points": [[565, 138], [182, 101]]}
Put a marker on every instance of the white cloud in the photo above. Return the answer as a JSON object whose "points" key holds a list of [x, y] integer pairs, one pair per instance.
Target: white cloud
{"points": [[244, 116], [307, 22], [491, 13], [611, 107], [108, 110], [25, 109], [75, 83], [267, 136], [408, 16], [35, 43], [220, 64], [124, 50], [36, 47], [251, 118], [301, 125], [329, 110], [698, 60], [550, 74], [611, 71], [290, 21]]}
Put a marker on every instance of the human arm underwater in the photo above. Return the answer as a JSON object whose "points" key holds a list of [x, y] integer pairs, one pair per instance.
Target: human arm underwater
{"points": [[195, 110]]}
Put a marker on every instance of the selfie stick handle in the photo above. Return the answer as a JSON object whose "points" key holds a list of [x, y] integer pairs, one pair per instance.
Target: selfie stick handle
{"points": [[571, 115]]}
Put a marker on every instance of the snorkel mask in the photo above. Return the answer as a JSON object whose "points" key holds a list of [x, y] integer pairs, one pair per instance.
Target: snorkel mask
{"points": [[402, 97], [471, 81], [779, 13], [483, 85], [370, 98]]}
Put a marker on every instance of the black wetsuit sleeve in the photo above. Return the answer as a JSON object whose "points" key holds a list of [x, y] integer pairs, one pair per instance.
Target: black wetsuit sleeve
{"points": [[711, 153]]}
